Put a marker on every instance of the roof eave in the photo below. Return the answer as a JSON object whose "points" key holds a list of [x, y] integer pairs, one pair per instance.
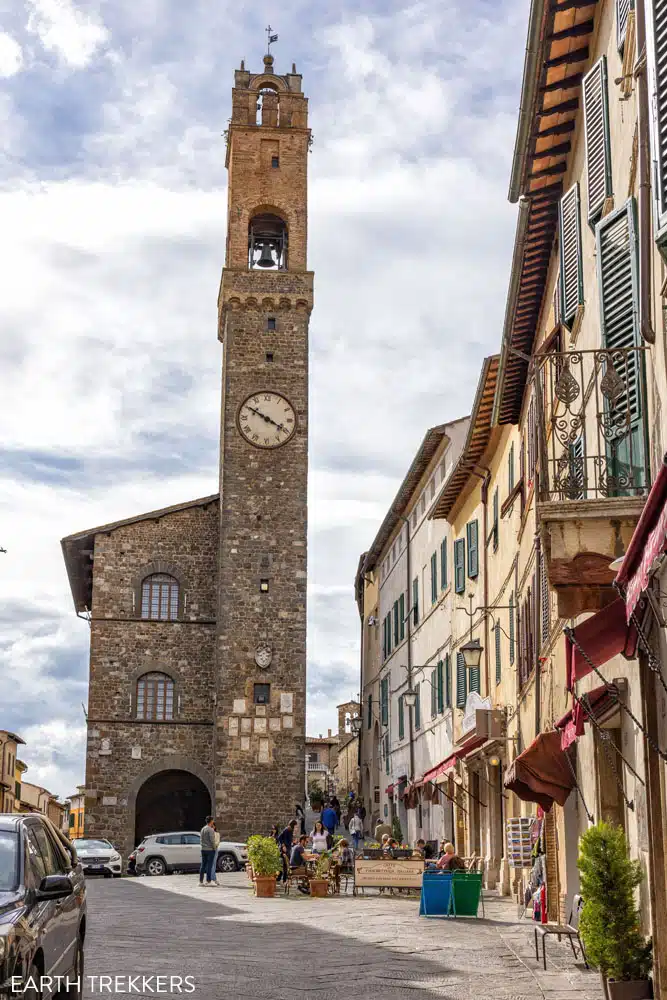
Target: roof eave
{"points": [[510, 306], [531, 72]]}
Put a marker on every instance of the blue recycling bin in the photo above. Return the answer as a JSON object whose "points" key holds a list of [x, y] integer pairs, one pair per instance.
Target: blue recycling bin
{"points": [[436, 894]]}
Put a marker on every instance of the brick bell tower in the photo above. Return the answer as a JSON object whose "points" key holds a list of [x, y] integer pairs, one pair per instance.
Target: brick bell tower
{"points": [[265, 300]]}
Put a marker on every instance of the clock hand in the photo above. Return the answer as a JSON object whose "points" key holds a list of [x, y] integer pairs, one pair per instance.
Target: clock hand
{"points": [[264, 417]]}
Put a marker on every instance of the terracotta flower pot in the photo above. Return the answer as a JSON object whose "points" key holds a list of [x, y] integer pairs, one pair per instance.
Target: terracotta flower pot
{"points": [[319, 887], [265, 886], [635, 989]]}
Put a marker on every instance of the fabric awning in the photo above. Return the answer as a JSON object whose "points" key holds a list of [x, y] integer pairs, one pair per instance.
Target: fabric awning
{"points": [[541, 773], [389, 790], [603, 635], [648, 541], [449, 762], [571, 725], [441, 768]]}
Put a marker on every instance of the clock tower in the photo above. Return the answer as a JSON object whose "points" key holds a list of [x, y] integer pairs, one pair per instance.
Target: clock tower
{"points": [[264, 305]]}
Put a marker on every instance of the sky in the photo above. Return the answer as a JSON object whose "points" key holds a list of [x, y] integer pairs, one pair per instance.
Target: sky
{"points": [[113, 201]]}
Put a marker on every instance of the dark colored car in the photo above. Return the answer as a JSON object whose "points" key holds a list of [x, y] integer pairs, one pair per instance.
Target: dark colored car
{"points": [[42, 909]]}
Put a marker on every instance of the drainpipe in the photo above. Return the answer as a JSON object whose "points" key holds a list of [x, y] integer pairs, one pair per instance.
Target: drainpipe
{"points": [[408, 564], [536, 636], [644, 171]]}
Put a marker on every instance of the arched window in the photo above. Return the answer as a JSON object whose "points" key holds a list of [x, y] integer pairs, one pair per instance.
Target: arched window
{"points": [[159, 597], [155, 697], [267, 242]]}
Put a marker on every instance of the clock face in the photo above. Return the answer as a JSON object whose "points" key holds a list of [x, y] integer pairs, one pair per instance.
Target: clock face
{"points": [[263, 655], [266, 420]]}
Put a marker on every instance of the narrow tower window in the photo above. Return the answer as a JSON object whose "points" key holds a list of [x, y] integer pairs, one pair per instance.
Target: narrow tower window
{"points": [[275, 163], [271, 323]]}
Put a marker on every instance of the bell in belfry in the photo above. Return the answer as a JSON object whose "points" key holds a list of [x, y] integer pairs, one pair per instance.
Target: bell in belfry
{"points": [[266, 258]]}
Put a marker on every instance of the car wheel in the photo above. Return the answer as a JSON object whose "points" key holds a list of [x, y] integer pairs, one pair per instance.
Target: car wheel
{"points": [[74, 988], [33, 984], [226, 863], [155, 866], [107, 874]]}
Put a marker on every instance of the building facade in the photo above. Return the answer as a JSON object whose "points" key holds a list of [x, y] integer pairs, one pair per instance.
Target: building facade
{"points": [[198, 611], [77, 813], [9, 744]]}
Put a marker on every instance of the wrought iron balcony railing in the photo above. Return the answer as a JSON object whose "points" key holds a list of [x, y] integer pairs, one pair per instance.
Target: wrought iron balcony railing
{"points": [[592, 432]]}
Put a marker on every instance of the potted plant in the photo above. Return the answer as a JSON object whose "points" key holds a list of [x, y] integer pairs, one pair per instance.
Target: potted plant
{"points": [[610, 926], [264, 856], [319, 884]]}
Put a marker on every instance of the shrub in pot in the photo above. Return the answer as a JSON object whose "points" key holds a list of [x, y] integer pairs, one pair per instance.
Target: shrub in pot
{"points": [[610, 926], [319, 884], [264, 856]]}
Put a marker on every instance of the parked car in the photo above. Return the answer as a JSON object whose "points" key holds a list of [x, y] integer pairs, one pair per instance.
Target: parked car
{"points": [[163, 853], [98, 857], [42, 907]]}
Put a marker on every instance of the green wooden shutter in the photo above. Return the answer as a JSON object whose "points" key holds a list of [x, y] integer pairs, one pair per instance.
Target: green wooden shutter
{"points": [[448, 682], [384, 638], [475, 679], [415, 601], [511, 630], [396, 629], [418, 709], [472, 535], [459, 565], [369, 709], [623, 8], [387, 762], [434, 578], [384, 701], [570, 253], [498, 652], [434, 693], [596, 130], [461, 686], [401, 719], [657, 50], [443, 564], [441, 687], [401, 615], [496, 519], [622, 385], [510, 469]]}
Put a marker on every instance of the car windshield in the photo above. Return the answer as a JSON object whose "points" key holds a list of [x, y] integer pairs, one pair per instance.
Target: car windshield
{"points": [[9, 860], [92, 845]]}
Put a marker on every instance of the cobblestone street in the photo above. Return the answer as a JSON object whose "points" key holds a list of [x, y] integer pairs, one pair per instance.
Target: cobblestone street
{"points": [[238, 947]]}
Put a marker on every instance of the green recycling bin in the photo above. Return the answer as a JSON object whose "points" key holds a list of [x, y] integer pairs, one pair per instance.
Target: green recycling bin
{"points": [[466, 894]]}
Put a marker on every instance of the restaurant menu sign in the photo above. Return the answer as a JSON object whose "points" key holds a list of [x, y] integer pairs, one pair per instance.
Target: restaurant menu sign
{"points": [[399, 873]]}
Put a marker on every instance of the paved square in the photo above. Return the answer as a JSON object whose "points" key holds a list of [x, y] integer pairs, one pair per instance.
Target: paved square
{"points": [[238, 947]]}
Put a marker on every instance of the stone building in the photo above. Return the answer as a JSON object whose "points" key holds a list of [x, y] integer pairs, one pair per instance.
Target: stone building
{"points": [[198, 610]]}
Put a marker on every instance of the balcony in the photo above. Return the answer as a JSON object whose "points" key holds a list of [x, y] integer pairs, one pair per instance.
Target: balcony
{"points": [[317, 766], [592, 445]]}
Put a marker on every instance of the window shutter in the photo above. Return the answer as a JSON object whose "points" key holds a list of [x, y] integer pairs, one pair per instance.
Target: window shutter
{"points": [[570, 253], [418, 709], [557, 300], [434, 578], [459, 565], [415, 601], [617, 276], [544, 600], [448, 682], [441, 689], [434, 693], [461, 692], [623, 8], [387, 762], [396, 631], [401, 615], [384, 638], [443, 564], [498, 651], [401, 719], [596, 128], [472, 533], [496, 513], [657, 50], [384, 701], [369, 709], [474, 679], [511, 629], [510, 469]]}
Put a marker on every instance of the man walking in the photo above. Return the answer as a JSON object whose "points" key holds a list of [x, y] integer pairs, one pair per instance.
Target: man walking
{"points": [[329, 822], [208, 852], [356, 829]]}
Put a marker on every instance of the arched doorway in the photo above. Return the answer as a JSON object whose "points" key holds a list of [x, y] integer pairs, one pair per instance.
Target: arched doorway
{"points": [[170, 800]]}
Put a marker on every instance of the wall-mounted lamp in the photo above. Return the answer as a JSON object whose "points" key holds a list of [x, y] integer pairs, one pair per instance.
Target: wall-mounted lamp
{"points": [[494, 761], [355, 724], [410, 698], [472, 653], [263, 586]]}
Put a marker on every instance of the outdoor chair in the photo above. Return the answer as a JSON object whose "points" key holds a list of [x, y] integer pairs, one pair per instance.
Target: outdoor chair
{"points": [[296, 876], [346, 873], [570, 930]]}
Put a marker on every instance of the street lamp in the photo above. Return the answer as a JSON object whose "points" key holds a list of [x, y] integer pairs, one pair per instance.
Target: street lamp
{"points": [[356, 724], [472, 653], [410, 698]]}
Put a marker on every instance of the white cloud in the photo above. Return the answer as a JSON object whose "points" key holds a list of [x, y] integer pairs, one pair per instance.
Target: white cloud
{"points": [[63, 28], [11, 55], [108, 306]]}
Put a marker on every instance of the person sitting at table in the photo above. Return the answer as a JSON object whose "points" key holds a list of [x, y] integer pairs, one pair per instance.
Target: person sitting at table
{"points": [[345, 854], [450, 861], [297, 863], [319, 838]]}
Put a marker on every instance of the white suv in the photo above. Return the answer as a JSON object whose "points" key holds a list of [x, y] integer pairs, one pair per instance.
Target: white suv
{"points": [[163, 853]]}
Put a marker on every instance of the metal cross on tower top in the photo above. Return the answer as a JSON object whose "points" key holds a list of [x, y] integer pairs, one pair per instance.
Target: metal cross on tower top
{"points": [[271, 38]]}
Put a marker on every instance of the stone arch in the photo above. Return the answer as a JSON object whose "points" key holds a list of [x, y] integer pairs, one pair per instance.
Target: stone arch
{"points": [[167, 763], [269, 82], [159, 566]]}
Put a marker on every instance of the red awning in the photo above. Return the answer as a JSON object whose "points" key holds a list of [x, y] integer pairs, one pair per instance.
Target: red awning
{"points": [[441, 768], [572, 724], [648, 541], [446, 765], [541, 773], [603, 635], [389, 789], [472, 744]]}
